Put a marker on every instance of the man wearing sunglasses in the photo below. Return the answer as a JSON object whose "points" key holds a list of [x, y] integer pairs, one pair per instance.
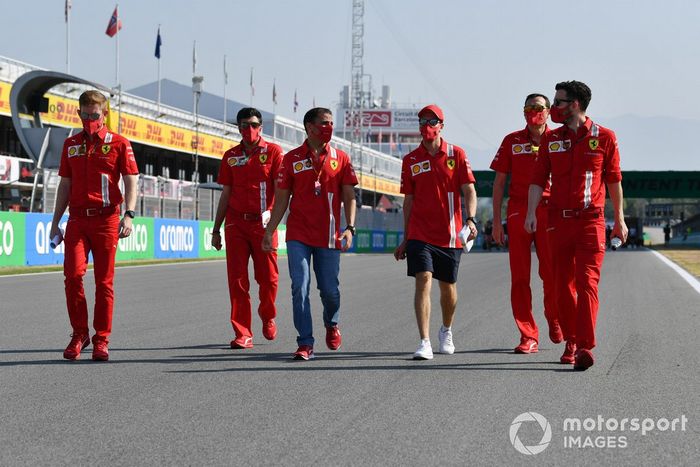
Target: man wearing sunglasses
{"points": [[318, 177], [516, 157], [582, 158], [247, 174], [434, 178], [92, 162]]}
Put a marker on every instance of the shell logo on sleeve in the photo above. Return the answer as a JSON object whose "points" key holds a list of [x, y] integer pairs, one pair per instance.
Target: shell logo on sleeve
{"points": [[421, 167]]}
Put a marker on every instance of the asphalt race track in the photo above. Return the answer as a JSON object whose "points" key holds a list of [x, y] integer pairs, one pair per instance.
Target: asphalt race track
{"points": [[174, 393]]}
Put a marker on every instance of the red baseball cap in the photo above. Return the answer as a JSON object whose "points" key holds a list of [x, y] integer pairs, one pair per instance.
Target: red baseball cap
{"points": [[434, 109]]}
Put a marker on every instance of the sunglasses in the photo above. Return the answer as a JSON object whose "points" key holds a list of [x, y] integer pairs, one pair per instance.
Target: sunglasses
{"points": [[90, 116], [249, 125], [429, 121], [559, 101], [534, 108]]}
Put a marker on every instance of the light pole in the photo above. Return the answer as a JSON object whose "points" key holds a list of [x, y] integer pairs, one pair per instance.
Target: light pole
{"points": [[197, 91]]}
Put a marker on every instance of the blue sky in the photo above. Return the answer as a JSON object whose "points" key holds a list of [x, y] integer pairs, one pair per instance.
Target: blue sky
{"points": [[477, 59]]}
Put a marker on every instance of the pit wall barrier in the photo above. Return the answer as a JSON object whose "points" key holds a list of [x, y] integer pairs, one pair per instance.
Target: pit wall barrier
{"points": [[24, 240]]}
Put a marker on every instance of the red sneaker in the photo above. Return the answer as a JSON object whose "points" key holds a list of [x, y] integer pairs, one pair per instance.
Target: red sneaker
{"points": [[304, 352], [245, 342], [568, 356], [99, 350], [527, 345], [269, 329], [333, 338], [77, 343], [555, 334], [584, 359]]}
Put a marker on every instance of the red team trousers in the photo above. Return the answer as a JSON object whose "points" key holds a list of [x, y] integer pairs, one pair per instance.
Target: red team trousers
{"points": [[578, 246], [243, 240], [99, 235], [519, 242]]}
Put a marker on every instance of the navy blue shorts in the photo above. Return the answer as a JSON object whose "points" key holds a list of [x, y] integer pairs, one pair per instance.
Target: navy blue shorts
{"points": [[424, 257]]}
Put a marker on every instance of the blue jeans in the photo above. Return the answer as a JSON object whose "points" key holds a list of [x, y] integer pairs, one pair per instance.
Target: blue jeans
{"points": [[326, 267]]}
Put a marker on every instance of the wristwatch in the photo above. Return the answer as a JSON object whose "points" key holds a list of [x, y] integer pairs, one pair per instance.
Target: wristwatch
{"points": [[351, 228], [130, 213], [473, 219]]}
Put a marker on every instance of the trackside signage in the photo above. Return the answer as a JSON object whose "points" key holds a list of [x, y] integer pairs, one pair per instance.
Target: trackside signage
{"points": [[176, 238], [12, 239], [38, 239], [140, 244]]}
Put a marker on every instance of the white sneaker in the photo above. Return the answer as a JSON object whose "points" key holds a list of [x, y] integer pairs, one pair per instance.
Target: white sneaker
{"points": [[424, 352], [445, 337]]}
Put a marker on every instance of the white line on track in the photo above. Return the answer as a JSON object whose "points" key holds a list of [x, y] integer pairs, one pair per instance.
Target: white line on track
{"points": [[690, 279]]}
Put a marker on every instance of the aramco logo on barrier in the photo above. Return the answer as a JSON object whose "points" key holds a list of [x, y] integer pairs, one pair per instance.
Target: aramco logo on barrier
{"points": [[136, 242], [7, 238], [546, 433], [42, 240], [176, 238]]}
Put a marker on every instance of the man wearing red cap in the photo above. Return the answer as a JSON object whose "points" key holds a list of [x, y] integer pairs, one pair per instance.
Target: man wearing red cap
{"points": [[317, 177], [92, 162], [247, 174], [516, 157], [582, 158], [434, 178]]}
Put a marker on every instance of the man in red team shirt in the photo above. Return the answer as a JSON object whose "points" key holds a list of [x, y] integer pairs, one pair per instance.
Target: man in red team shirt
{"points": [[91, 163], [318, 177], [248, 173], [582, 158], [516, 157], [433, 177]]}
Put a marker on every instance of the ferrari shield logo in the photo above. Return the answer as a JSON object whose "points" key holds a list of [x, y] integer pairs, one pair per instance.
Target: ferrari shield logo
{"points": [[334, 164], [451, 163], [593, 144], [105, 148], [263, 158]]}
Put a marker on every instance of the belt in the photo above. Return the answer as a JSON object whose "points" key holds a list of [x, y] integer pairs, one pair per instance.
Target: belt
{"points": [[580, 213], [247, 216], [92, 212]]}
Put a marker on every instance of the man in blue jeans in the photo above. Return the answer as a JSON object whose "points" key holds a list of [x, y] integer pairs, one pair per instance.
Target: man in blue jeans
{"points": [[319, 177]]}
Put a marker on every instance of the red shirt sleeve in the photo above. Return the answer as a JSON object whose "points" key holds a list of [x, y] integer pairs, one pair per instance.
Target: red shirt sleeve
{"points": [[64, 167], [127, 161], [465, 173], [612, 161], [349, 177], [406, 178], [541, 167], [224, 177], [502, 160], [285, 176]]}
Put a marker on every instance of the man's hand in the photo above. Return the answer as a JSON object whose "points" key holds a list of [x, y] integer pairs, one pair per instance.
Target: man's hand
{"points": [[347, 235], [530, 222], [400, 251], [619, 230], [267, 242], [473, 232], [216, 240], [125, 226], [497, 233], [55, 230]]}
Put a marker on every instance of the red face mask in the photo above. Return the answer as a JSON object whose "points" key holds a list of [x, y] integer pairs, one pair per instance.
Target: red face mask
{"points": [[558, 115], [250, 135], [91, 127], [429, 133], [324, 133], [535, 118]]}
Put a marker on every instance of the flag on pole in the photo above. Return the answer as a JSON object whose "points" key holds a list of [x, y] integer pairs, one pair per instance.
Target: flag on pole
{"points": [[296, 101], [274, 92], [225, 72], [313, 102], [159, 42], [115, 24], [392, 142], [69, 5], [194, 57], [252, 86], [369, 133]]}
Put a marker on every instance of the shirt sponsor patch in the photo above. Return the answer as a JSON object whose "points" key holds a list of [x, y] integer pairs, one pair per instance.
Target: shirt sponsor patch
{"points": [[301, 166], [237, 161], [334, 164], [559, 146], [77, 150], [263, 158], [106, 148], [419, 168], [522, 148], [450, 164], [593, 143]]}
